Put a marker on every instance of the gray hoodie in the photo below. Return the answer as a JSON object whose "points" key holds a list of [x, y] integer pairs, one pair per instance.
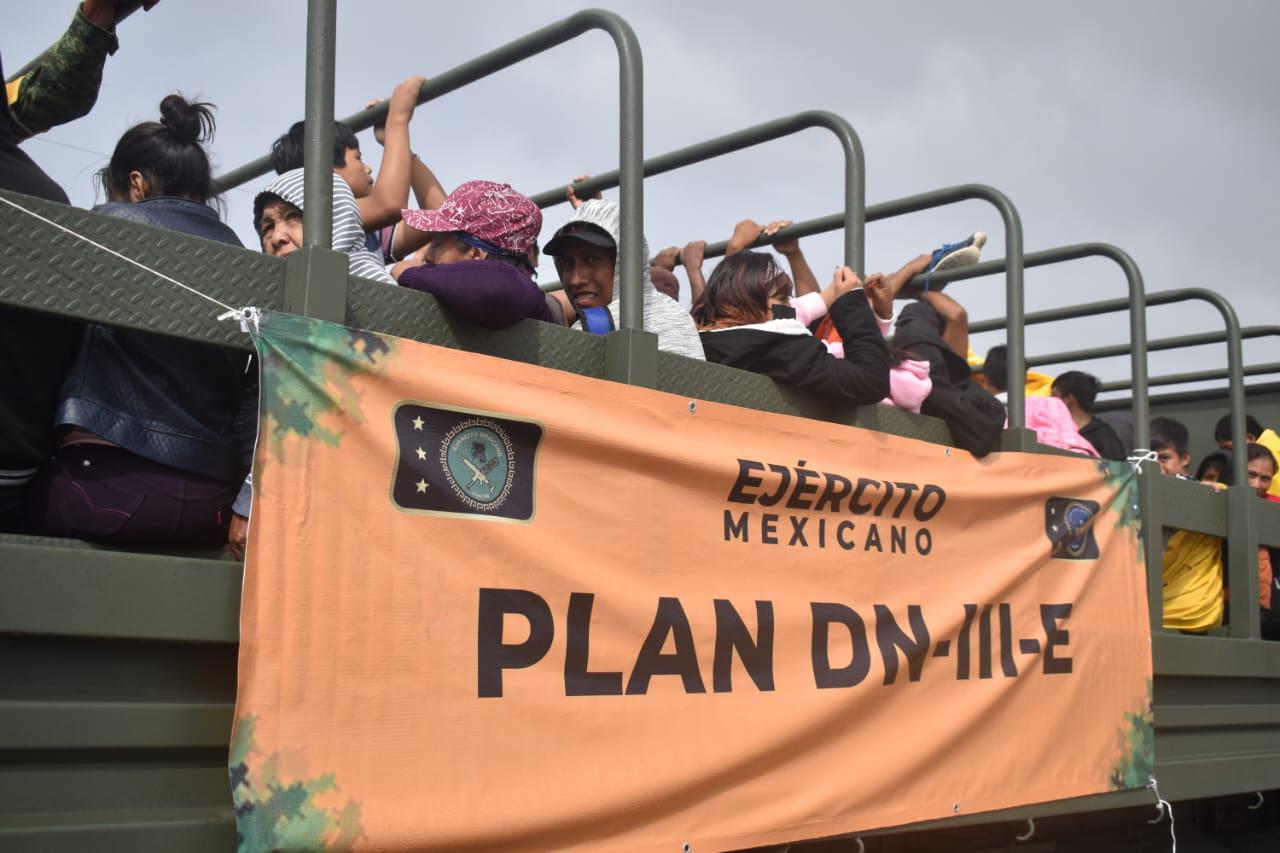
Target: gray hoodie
{"points": [[662, 315]]}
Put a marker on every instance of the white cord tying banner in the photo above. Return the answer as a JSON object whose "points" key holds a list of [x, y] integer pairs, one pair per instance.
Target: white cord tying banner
{"points": [[1140, 456], [232, 311], [250, 319], [1164, 806]]}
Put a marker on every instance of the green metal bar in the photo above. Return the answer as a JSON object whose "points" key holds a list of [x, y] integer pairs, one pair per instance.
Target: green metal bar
{"points": [[1135, 304], [630, 137], [317, 186], [1197, 376], [1158, 344], [1164, 297], [940, 198], [853, 221]]}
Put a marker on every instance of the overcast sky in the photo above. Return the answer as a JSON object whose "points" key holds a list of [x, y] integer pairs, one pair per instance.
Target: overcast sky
{"points": [[1152, 125]]}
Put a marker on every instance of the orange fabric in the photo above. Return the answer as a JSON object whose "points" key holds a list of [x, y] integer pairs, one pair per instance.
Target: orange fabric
{"points": [[372, 617], [1264, 578]]}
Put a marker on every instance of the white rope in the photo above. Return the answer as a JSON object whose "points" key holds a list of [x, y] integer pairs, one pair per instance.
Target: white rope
{"points": [[160, 275], [1164, 806], [1140, 456]]}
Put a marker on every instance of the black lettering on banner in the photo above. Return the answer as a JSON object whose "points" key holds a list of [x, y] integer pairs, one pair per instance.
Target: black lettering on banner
{"points": [[897, 539], [884, 501], [739, 529], [890, 638], [847, 544], [822, 533], [803, 487], [962, 643], [1055, 636], [756, 653], [738, 493], [797, 530], [908, 489], [924, 541], [785, 483], [984, 642], [855, 505], [577, 680], [873, 538], [1007, 665], [493, 655], [929, 490], [824, 675], [837, 489], [769, 528], [669, 620]]}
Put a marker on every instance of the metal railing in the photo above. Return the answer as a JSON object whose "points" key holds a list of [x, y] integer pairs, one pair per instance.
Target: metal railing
{"points": [[1163, 297], [1194, 376], [1178, 342], [853, 222], [1012, 269], [630, 136]]}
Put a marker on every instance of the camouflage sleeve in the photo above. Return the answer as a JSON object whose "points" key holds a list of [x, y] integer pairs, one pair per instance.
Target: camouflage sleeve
{"points": [[64, 86]]}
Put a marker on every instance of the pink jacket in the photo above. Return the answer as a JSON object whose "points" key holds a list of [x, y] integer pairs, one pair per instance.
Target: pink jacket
{"points": [[1051, 420], [909, 381]]}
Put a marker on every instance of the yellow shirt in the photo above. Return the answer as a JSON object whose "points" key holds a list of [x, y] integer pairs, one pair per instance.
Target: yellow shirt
{"points": [[1271, 442], [1192, 582]]}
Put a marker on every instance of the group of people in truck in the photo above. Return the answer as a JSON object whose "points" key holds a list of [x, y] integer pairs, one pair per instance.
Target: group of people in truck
{"points": [[127, 438]]}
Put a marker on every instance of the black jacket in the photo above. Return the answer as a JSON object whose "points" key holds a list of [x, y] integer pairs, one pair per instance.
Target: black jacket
{"points": [[973, 416], [1104, 439], [861, 378]]}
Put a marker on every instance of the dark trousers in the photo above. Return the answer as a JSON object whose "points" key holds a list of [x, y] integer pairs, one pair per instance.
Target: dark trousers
{"points": [[109, 495]]}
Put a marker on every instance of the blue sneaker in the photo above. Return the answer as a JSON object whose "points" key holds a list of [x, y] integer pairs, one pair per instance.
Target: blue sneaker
{"points": [[952, 255]]}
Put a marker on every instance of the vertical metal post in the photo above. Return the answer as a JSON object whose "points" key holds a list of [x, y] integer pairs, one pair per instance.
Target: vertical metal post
{"points": [[1014, 306], [631, 169], [317, 221], [1152, 533], [1138, 341]]}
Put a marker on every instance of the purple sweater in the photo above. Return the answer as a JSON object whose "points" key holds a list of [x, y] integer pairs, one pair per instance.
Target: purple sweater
{"points": [[488, 293]]}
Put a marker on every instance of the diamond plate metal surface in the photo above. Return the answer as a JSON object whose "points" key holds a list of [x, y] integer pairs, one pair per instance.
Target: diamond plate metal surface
{"points": [[44, 269], [418, 316], [720, 384]]}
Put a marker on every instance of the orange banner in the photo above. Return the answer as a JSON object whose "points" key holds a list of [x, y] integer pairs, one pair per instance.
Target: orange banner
{"points": [[495, 606]]}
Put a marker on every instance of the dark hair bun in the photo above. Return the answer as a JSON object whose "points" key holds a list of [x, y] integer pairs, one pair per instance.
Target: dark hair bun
{"points": [[190, 121]]}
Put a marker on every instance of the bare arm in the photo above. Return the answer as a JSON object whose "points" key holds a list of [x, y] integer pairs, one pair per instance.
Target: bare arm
{"points": [[390, 192], [691, 256], [745, 234], [430, 195], [956, 318]]}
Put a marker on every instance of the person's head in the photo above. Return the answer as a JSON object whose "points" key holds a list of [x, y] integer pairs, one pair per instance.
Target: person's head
{"points": [[665, 281], [1222, 430], [277, 214], [279, 225], [1077, 389], [1171, 443], [480, 220], [585, 255], [287, 154], [995, 370], [165, 157], [1215, 468], [741, 290], [1261, 466]]}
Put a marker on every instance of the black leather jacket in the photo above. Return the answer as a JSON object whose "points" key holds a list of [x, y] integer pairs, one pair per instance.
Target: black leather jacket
{"points": [[176, 402]]}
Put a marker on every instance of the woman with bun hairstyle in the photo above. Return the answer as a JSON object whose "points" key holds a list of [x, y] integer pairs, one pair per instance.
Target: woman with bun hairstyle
{"points": [[154, 434]]}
